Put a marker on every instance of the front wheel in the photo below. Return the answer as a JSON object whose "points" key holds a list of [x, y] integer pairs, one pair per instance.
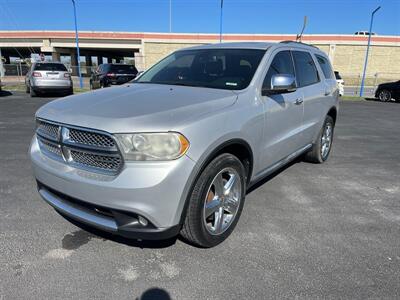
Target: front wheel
{"points": [[216, 202], [321, 148], [385, 96]]}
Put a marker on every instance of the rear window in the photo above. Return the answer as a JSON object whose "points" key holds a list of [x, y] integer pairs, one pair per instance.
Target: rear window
{"points": [[325, 66], [50, 67], [123, 69]]}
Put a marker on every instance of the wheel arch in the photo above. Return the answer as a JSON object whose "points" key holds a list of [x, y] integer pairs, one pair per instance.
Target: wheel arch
{"points": [[238, 147], [333, 113]]}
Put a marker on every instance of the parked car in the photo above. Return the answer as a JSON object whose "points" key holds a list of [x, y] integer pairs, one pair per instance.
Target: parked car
{"points": [[112, 74], [340, 83], [48, 77], [388, 91], [176, 150]]}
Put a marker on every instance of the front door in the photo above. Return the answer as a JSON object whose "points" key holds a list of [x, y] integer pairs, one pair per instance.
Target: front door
{"points": [[283, 114]]}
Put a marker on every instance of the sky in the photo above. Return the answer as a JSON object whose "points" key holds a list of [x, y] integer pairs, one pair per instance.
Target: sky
{"points": [[202, 16]]}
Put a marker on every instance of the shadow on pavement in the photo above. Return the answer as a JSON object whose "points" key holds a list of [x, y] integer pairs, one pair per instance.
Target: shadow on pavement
{"points": [[5, 93], [78, 238], [155, 293]]}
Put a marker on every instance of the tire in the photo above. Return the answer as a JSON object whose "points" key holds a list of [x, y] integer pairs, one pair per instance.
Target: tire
{"points": [[32, 92], [318, 153], [384, 96], [204, 231]]}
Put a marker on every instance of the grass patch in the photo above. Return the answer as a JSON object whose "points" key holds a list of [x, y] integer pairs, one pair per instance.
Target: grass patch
{"points": [[352, 98], [22, 88]]}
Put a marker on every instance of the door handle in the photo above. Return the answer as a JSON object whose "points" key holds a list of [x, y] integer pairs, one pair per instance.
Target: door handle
{"points": [[298, 101]]}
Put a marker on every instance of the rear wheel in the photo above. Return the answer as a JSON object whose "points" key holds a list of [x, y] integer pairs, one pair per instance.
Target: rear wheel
{"points": [[216, 202], [322, 147], [385, 96]]}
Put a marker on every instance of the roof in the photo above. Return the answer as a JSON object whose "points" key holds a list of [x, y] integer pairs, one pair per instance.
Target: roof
{"points": [[251, 45], [238, 45]]}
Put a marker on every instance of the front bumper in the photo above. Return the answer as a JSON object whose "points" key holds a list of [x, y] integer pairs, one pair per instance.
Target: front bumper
{"points": [[156, 191]]}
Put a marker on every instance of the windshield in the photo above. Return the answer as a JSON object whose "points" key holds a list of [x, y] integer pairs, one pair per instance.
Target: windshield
{"points": [[50, 67], [123, 69], [230, 69]]}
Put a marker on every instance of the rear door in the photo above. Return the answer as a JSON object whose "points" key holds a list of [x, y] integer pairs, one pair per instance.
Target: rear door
{"points": [[314, 92], [283, 114]]}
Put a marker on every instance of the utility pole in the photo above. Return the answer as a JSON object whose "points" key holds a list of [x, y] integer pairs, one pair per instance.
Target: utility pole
{"points": [[77, 47], [366, 56], [220, 22], [170, 16]]}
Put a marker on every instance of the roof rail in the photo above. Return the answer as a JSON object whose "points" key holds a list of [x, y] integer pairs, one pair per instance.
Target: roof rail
{"points": [[289, 42]]}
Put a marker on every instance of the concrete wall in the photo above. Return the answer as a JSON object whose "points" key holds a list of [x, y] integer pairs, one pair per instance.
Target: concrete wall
{"points": [[347, 59], [155, 51]]}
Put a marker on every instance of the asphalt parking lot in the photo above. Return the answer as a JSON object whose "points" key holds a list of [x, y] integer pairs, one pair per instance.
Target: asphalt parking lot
{"points": [[311, 231]]}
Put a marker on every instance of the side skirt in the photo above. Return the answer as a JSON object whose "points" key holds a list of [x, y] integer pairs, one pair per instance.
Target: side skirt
{"points": [[279, 164]]}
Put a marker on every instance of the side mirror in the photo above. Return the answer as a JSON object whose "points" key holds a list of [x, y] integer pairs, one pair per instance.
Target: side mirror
{"points": [[280, 84]]}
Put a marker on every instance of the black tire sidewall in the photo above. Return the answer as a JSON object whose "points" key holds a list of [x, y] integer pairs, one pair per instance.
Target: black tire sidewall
{"points": [[385, 91], [328, 119], [199, 195]]}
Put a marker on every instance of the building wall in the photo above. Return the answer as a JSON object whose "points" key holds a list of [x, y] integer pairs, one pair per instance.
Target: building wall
{"points": [[347, 59], [155, 51]]}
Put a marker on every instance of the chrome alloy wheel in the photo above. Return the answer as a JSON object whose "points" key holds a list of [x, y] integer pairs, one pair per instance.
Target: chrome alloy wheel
{"points": [[384, 96], [222, 201], [326, 140]]}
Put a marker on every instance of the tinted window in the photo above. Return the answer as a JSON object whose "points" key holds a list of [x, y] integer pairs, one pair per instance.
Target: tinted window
{"points": [[123, 69], [281, 64], [306, 72], [230, 69], [50, 67], [325, 66]]}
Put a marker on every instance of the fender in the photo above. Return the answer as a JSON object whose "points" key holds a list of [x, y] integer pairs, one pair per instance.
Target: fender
{"points": [[204, 164]]}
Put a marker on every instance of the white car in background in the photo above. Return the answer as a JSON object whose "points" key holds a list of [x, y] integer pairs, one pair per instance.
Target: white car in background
{"points": [[340, 83]]}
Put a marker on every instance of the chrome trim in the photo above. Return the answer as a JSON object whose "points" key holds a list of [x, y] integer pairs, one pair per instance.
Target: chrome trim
{"points": [[66, 146], [82, 215]]}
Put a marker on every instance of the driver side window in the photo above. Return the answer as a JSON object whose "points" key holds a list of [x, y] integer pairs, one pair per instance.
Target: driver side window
{"points": [[281, 64]]}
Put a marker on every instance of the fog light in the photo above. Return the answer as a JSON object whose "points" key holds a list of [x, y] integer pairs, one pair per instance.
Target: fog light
{"points": [[143, 221]]}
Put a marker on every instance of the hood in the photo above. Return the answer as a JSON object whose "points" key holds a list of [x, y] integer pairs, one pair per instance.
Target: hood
{"points": [[137, 107], [390, 84]]}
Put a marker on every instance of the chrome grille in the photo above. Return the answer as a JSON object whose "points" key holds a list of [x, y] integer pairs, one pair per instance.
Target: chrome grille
{"points": [[96, 161], [48, 129], [50, 148], [91, 139], [82, 148]]}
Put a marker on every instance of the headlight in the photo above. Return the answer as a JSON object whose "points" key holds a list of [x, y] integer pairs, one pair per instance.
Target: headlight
{"points": [[152, 146]]}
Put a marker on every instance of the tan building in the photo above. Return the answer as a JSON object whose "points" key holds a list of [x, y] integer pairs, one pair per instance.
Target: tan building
{"points": [[347, 52]]}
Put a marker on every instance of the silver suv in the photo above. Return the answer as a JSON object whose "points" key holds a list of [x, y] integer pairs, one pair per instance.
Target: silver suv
{"points": [[48, 77], [176, 150]]}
